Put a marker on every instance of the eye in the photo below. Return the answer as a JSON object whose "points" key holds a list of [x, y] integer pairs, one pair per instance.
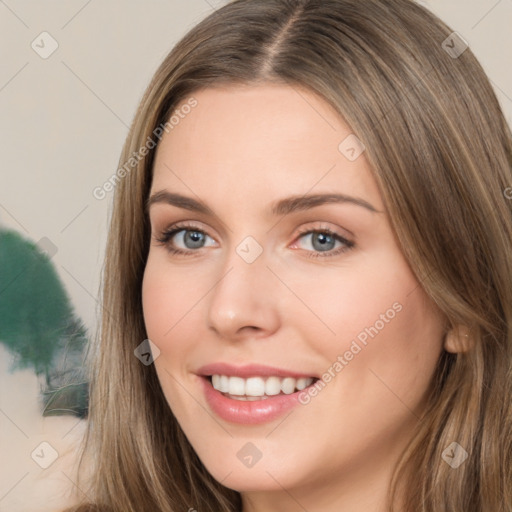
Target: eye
{"points": [[322, 243], [185, 239]]}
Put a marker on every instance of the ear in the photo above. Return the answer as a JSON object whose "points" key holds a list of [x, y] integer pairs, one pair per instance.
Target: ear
{"points": [[458, 340]]}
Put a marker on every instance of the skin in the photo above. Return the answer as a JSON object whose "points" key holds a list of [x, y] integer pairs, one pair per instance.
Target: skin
{"points": [[239, 151]]}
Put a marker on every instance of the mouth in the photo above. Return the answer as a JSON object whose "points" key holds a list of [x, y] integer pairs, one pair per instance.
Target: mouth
{"points": [[253, 399], [252, 393], [258, 387]]}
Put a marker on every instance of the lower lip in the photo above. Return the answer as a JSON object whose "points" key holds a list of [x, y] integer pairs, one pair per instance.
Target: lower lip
{"points": [[248, 412]]}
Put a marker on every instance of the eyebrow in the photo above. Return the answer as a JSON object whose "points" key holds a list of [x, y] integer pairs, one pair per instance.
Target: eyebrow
{"points": [[281, 207]]}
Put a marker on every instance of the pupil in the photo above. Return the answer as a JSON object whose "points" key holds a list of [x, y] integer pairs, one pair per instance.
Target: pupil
{"points": [[194, 239], [323, 242]]}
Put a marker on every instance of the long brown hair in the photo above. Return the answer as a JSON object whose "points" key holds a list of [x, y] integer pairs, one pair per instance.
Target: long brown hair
{"points": [[441, 153]]}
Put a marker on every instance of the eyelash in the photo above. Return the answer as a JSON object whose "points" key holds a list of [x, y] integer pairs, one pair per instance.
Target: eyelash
{"points": [[166, 236]]}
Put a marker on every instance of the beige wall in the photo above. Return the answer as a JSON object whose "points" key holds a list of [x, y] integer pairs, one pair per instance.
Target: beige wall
{"points": [[63, 119]]}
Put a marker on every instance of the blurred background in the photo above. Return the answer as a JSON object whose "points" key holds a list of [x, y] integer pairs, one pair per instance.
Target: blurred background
{"points": [[71, 76]]}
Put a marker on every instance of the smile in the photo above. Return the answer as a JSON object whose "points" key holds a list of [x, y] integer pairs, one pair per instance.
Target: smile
{"points": [[252, 394], [258, 388]]}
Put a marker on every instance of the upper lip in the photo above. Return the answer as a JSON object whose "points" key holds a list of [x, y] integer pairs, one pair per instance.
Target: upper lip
{"points": [[249, 370]]}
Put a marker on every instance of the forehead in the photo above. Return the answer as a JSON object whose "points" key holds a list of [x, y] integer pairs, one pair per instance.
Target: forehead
{"points": [[258, 141]]}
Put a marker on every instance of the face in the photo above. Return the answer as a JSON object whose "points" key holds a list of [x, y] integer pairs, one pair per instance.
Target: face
{"points": [[296, 346]]}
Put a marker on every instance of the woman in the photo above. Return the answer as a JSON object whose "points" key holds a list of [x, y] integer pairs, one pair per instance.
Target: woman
{"points": [[311, 226]]}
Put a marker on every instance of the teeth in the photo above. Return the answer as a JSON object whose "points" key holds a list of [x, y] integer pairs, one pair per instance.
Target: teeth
{"points": [[236, 386], [255, 386], [224, 384], [288, 385], [259, 386], [273, 386], [302, 383]]}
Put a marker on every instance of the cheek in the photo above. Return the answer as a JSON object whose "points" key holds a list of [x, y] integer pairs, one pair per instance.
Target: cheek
{"points": [[154, 300], [163, 302], [378, 320], [349, 299], [166, 299], [172, 302], [389, 377]]}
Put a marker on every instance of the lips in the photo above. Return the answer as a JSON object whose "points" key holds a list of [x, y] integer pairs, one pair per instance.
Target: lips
{"points": [[251, 370], [252, 394]]}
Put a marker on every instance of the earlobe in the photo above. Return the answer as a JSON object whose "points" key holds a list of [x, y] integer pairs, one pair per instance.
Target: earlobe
{"points": [[458, 340]]}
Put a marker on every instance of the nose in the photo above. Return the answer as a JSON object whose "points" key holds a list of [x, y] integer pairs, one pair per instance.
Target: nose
{"points": [[244, 301]]}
